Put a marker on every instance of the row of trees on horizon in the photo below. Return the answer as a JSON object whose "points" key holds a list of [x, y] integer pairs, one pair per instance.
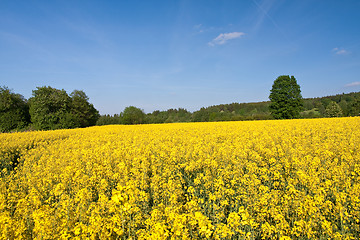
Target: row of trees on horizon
{"points": [[50, 108], [285, 102]]}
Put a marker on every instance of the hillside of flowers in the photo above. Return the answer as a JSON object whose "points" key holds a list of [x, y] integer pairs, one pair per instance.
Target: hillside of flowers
{"points": [[283, 179]]}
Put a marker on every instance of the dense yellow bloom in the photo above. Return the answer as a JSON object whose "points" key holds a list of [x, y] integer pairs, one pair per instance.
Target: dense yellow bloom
{"points": [[284, 179]]}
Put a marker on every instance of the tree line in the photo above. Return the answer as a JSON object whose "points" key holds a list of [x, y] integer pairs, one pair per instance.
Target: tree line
{"points": [[50, 108], [285, 102], [341, 105]]}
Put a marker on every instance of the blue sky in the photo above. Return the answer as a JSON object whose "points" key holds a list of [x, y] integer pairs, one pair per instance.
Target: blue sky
{"points": [[157, 55]]}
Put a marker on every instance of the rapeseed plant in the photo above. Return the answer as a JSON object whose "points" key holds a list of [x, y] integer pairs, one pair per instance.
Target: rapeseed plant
{"points": [[285, 179]]}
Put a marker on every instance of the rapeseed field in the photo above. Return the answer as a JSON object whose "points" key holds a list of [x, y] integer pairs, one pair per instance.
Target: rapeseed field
{"points": [[284, 179]]}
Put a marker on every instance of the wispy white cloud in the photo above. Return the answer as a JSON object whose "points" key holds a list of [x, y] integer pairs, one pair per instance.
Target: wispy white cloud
{"points": [[199, 28], [224, 37], [340, 51], [264, 9], [353, 84]]}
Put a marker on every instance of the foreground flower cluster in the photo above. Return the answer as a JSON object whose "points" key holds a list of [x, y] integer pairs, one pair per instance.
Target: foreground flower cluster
{"points": [[288, 179]]}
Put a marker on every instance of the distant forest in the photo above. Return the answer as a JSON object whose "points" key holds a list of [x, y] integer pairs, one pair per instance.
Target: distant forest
{"points": [[341, 105]]}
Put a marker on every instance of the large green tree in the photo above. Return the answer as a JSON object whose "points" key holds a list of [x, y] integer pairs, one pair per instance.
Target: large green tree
{"points": [[285, 97], [133, 115], [14, 110], [50, 108], [85, 113]]}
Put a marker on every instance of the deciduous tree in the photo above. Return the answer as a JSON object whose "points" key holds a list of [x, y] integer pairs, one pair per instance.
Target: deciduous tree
{"points": [[285, 97], [14, 110], [133, 115], [85, 113], [50, 108], [333, 110]]}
